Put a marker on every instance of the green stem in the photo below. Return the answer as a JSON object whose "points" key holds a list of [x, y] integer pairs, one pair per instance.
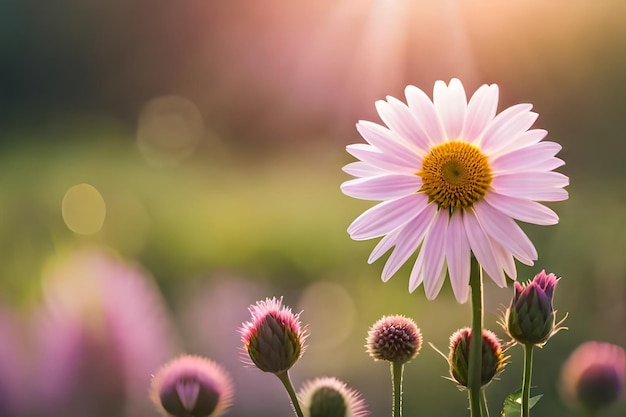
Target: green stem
{"points": [[476, 344], [397, 369], [528, 373], [284, 378], [483, 403]]}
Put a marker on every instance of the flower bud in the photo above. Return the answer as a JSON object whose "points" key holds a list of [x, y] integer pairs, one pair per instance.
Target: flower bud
{"points": [[531, 319], [192, 386], [329, 397], [493, 360], [274, 339], [594, 376], [394, 339]]}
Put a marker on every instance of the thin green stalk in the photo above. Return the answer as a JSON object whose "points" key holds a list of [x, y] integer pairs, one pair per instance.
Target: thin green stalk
{"points": [[397, 369], [284, 378], [528, 373], [483, 402], [476, 344]]}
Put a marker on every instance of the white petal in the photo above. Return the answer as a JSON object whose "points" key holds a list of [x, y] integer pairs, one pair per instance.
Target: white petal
{"points": [[408, 240], [506, 232], [424, 111], [458, 257], [400, 119], [506, 127], [481, 246], [522, 209], [481, 110], [385, 161], [434, 255], [384, 187], [450, 103], [387, 216]]}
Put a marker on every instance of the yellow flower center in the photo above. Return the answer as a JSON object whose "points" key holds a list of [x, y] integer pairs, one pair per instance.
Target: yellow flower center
{"points": [[455, 175]]}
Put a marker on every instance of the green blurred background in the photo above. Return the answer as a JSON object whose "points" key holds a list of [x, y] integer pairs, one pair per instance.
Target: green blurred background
{"points": [[213, 135]]}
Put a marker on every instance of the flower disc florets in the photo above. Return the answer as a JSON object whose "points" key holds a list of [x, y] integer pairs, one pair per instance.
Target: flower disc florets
{"points": [[594, 376], [329, 397], [274, 339], [192, 386], [394, 339], [531, 318], [493, 360]]}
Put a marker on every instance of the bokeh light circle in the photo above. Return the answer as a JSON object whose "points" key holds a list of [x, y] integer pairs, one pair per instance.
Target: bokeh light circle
{"points": [[83, 209], [329, 311], [169, 130]]}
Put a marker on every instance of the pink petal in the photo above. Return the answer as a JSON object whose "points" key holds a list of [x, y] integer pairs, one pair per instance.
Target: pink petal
{"points": [[522, 209], [433, 249], [188, 393], [481, 110], [528, 158], [417, 273], [362, 169], [388, 142], [385, 161], [408, 240], [450, 103], [528, 138], [383, 187], [506, 127], [458, 257], [386, 243], [387, 216], [506, 262], [424, 111], [506, 232], [400, 119], [540, 186], [481, 246]]}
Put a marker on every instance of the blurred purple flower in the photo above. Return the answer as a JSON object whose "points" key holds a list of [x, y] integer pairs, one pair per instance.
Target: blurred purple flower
{"points": [[101, 333], [12, 365], [192, 386], [594, 376]]}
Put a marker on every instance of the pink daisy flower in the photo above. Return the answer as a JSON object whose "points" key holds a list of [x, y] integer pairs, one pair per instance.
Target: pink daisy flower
{"points": [[452, 177]]}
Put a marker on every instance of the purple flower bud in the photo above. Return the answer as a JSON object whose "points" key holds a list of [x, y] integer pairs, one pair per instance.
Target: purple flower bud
{"points": [[192, 386], [493, 360], [594, 376], [329, 397], [394, 339], [274, 339], [531, 319]]}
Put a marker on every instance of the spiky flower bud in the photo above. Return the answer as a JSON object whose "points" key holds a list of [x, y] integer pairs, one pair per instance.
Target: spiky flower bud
{"points": [[531, 319], [493, 360], [395, 339], [594, 376], [329, 397], [192, 386], [274, 339]]}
